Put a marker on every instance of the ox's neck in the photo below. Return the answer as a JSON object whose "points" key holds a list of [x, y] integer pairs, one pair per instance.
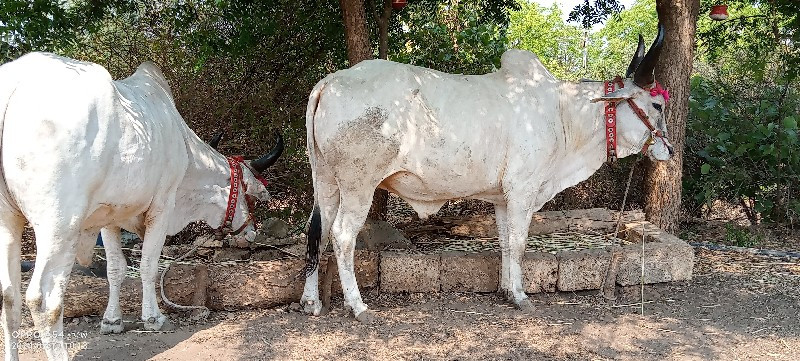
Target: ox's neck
{"points": [[202, 196], [584, 131]]}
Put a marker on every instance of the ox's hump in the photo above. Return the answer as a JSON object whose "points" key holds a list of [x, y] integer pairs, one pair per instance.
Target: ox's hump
{"points": [[148, 71], [525, 64]]}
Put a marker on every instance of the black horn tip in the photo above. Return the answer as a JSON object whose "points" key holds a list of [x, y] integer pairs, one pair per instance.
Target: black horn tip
{"points": [[643, 76], [261, 164], [214, 143], [637, 57]]}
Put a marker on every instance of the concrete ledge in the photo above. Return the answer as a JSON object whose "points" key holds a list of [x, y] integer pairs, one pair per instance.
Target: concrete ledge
{"points": [[470, 272], [410, 272], [539, 272], [663, 262], [582, 270], [259, 284], [545, 222]]}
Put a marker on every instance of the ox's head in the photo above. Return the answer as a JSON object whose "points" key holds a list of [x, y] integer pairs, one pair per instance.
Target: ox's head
{"points": [[253, 187], [647, 131]]}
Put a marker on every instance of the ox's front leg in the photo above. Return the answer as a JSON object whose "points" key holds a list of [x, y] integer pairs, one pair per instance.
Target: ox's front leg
{"points": [[518, 220], [112, 318], [154, 238]]}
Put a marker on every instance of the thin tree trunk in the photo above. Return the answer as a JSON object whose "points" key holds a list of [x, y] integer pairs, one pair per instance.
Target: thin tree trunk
{"points": [[355, 31], [663, 179], [359, 49], [383, 30]]}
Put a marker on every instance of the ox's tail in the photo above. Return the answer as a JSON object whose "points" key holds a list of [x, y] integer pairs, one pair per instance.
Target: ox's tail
{"points": [[315, 227], [9, 80], [314, 240]]}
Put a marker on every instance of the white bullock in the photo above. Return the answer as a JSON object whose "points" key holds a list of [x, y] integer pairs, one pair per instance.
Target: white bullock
{"points": [[81, 152], [515, 138]]}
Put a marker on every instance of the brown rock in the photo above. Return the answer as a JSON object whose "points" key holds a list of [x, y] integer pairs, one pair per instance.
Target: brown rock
{"points": [[207, 240], [379, 236], [274, 228], [231, 254]]}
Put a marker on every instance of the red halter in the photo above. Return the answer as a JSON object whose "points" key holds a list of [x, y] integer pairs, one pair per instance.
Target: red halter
{"points": [[235, 164], [611, 118]]}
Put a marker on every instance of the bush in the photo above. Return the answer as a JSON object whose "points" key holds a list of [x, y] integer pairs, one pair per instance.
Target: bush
{"points": [[742, 147]]}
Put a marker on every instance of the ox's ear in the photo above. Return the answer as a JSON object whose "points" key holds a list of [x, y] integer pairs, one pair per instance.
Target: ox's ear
{"points": [[214, 143], [619, 95]]}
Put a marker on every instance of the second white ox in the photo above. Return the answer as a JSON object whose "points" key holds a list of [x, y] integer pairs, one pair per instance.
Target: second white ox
{"points": [[514, 138], [80, 152]]}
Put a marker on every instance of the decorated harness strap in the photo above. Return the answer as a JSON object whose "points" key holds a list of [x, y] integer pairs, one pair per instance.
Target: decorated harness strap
{"points": [[610, 116], [235, 164]]}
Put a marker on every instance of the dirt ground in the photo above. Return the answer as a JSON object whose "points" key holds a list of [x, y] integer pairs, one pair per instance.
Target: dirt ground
{"points": [[738, 307]]}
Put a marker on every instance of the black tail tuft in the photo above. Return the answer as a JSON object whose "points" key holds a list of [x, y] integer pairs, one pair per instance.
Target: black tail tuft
{"points": [[314, 239]]}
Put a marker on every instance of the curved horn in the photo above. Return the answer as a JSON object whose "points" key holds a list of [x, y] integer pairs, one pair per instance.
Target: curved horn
{"points": [[215, 141], [644, 73], [637, 58], [261, 164]]}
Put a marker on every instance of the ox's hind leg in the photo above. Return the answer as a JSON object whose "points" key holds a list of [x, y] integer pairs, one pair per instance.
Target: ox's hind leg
{"points": [[501, 220], [517, 218], [112, 318], [55, 254], [310, 300], [10, 280], [350, 218]]}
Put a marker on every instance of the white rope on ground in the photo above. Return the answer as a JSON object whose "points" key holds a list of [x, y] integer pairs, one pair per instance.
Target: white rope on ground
{"points": [[611, 270], [642, 279], [166, 300], [625, 197]]}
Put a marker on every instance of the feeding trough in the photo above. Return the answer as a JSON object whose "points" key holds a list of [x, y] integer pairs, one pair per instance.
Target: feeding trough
{"points": [[566, 251]]}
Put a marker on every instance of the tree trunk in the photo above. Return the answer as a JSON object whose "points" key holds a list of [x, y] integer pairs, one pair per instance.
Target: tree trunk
{"points": [[359, 49], [355, 31], [663, 179], [383, 30]]}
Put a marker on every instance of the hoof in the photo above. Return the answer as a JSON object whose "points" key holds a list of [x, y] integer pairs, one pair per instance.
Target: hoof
{"points": [[367, 317], [160, 323], [312, 307], [525, 305], [111, 327]]}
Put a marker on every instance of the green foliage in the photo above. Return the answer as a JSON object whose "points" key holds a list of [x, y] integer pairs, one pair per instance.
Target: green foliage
{"points": [[48, 25], [743, 147], [611, 48], [742, 134], [560, 46], [541, 31], [589, 14], [741, 237], [455, 38], [748, 40]]}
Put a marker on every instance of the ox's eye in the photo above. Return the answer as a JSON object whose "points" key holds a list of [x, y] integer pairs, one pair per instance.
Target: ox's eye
{"points": [[657, 106]]}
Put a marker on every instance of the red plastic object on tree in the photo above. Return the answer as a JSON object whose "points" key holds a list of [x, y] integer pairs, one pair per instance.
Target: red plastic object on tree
{"points": [[399, 4], [719, 12]]}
